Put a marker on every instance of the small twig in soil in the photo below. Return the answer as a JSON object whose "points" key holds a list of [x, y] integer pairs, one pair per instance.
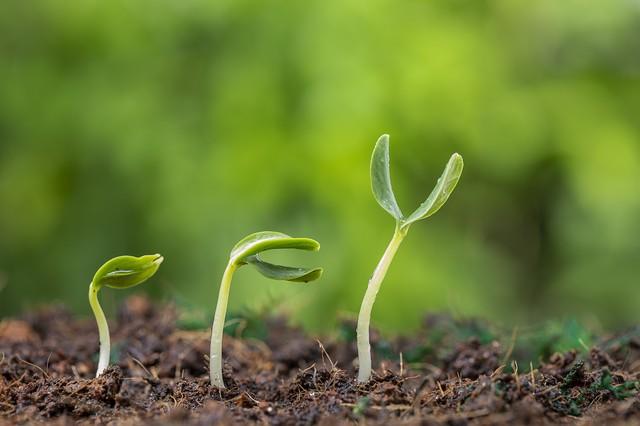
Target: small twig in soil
{"points": [[9, 411], [512, 345], [82, 387], [180, 401], [390, 407], [175, 401], [19, 379], [74, 370], [514, 366], [549, 389], [597, 399], [404, 379], [137, 361], [48, 359], [323, 352], [251, 398], [533, 377], [33, 365], [401, 365], [497, 372]]}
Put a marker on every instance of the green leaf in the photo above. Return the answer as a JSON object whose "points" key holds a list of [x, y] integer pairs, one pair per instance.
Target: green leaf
{"points": [[127, 271], [284, 273], [443, 189], [268, 240], [381, 178]]}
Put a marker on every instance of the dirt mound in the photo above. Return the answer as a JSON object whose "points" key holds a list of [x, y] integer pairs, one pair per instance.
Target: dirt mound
{"points": [[48, 358]]}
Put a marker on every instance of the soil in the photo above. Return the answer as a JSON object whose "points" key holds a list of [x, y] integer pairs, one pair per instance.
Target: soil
{"points": [[281, 376]]}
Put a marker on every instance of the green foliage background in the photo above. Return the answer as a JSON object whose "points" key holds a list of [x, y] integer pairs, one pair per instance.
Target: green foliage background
{"points": [[181, 126]]}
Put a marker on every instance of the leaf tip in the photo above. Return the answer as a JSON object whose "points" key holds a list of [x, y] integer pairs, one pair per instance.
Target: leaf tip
{"points": [[381, 178], [458, 163], [313, 275], [382, 143], [308, 244]]}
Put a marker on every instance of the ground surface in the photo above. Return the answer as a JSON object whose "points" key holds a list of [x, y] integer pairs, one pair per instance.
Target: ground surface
{"points": [[453, 374]]}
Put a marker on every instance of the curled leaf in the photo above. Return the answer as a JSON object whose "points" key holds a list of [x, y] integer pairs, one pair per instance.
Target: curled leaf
{"points": [[127, 271], [268, 240], [284, 273]]}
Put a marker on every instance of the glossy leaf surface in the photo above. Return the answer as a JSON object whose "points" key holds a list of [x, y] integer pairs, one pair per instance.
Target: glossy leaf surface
{"points": [[381, 178], [268, 240], [443, 189], [127, 271], [284, 273]]}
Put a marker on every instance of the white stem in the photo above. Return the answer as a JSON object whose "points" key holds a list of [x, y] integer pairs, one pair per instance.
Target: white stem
{"points": [[364, 349], [103, 329], [217, 330]]}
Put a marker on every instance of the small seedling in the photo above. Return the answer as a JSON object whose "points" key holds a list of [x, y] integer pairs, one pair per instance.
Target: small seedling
{"points": [[246, 252], [383, 193], [119, 272]]}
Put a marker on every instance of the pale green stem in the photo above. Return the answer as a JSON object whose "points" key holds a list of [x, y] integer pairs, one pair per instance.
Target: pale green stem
{"points": [[364, 349], [217, 330], [103, 329]]}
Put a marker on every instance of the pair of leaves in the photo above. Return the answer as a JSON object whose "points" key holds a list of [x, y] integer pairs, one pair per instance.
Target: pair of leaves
{"points": [[127, 271], [383, 191], [248, 249]]}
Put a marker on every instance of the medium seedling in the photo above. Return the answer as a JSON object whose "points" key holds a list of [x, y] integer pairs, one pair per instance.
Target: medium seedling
{"points": [[119, 272], [246, 252], [383, 193]]}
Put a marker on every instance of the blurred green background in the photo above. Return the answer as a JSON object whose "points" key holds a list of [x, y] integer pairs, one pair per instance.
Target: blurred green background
{"points": [[181, 126]]}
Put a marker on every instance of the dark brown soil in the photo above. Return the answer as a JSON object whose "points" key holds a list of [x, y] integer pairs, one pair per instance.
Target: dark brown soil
{"points": [[48, 358]]}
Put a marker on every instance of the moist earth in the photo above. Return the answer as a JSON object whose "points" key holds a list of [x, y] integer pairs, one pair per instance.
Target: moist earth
{"points": [[276, 374]]}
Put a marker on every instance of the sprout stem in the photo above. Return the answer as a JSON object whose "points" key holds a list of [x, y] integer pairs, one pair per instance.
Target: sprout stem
{"points": [[364, 349], [103, 329], [217, 330]]}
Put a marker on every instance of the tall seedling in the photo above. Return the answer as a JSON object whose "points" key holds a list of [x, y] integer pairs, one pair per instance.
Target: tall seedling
{"points": [[383, 193]]}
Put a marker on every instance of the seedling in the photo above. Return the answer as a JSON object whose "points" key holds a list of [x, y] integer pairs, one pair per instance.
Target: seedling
{"points": [[119, 272], [383, 193], [246, 252]]}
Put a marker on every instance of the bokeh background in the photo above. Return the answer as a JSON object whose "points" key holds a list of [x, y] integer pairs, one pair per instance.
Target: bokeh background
{"points": [[180, 126]]}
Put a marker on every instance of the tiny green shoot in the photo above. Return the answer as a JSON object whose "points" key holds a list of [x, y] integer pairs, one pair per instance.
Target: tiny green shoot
{"points": [[119, 272], [383, 193], [247, 252]]}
